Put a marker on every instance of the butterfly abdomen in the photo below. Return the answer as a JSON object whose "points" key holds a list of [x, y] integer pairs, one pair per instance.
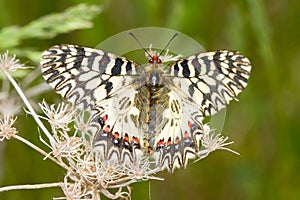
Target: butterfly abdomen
{"points": [[154, 113]]}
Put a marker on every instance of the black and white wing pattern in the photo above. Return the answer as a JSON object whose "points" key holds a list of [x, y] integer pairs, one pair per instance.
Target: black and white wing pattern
{"points": [[211, 79], [85, 76], [156, 110]]}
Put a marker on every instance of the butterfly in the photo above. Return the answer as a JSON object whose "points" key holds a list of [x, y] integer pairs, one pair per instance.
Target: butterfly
{"points": [[154, 110]]}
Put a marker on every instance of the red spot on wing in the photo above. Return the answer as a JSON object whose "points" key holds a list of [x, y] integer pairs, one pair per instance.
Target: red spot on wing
{"points": [[160, 143], [186, 135], [169, 141], [126, 138], [177, 140], [135, 140], [116, 135], [190, 124], [104, 118], [106, 129]]}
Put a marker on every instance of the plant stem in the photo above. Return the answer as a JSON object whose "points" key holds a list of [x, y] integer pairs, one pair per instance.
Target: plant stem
{"points": [[30, 187], [29, 107]]}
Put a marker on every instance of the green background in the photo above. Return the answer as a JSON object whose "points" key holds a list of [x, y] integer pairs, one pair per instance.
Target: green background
{"points": [[264, 124]]}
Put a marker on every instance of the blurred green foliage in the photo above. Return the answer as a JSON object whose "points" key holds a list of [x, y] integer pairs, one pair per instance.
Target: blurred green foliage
{"points": [[264, 124], [47, 27]]}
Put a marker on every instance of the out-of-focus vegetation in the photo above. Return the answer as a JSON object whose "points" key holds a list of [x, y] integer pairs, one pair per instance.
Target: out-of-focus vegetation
{"points": [[264, 124]]}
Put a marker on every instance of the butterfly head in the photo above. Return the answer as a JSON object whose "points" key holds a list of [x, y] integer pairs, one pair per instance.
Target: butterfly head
{"points": [[155, 59]]}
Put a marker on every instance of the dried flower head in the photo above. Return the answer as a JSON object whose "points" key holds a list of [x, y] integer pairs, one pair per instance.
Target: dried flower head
{"points": [[211, 142], [6, 127], [9, 63], [58, 116]]}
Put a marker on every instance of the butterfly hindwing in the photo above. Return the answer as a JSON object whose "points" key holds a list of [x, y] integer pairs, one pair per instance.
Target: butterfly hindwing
{"points": [[177, 139]]}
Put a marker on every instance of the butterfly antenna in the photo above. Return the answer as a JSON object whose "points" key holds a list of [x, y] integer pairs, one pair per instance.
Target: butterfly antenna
{"points": [[130, 33], [175, 35]]}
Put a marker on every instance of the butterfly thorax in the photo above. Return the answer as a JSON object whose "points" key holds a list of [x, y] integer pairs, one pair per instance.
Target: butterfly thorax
{"points": [[154, 77]]}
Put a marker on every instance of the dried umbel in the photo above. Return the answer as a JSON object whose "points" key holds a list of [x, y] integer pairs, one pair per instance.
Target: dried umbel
{"points": [[7, 129], [9, 64]]}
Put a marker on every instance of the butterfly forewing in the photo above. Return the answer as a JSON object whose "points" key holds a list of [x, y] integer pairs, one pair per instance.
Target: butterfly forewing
{"points": [[212, 79], [83, 75]]}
